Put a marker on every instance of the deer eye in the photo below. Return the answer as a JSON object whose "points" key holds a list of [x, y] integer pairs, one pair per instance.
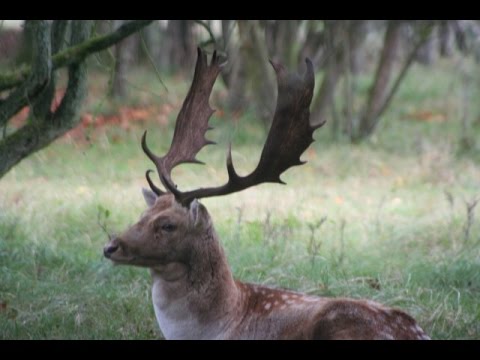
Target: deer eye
{"points": [[168, 227]]}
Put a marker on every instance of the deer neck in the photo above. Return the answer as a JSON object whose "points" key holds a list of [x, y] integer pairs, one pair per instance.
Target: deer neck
{"points": [[196, 298]]}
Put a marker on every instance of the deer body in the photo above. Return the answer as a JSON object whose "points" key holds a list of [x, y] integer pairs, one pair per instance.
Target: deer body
{"points": [[194, 293], [261, 313]]}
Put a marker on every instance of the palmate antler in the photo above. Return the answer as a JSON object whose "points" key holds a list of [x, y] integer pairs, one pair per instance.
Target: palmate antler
{"points": [[191, 125], [289, 136]]}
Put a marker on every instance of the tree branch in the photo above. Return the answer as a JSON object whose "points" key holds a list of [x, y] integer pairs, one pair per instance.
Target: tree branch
{"points": [[37, 79], [66, 115], [37, 135], [78, 53]]}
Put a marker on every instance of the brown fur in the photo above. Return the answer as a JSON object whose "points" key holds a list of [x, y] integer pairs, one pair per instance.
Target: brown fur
{"points": [[196, 296]]}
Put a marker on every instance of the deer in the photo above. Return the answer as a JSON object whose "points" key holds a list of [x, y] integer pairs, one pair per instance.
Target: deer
{"points": [[194, 293]]}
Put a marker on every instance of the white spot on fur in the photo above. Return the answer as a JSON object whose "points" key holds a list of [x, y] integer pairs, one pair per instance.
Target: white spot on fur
{"points": [[375, 309], [332, 315], [285, 297], [267, 306], [372, 304]]}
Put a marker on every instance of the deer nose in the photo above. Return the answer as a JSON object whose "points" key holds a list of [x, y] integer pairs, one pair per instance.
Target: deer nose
{"points": [[110, 249]]}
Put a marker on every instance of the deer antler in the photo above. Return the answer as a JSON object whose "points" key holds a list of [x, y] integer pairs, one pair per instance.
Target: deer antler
{"points": [[289, 136], [192, 122]]}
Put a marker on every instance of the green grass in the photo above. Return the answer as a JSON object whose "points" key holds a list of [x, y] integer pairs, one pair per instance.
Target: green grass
{"points": [[391, 233]]}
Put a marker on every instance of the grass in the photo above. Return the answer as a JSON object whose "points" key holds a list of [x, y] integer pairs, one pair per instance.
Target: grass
{"points": [[394, 230]]}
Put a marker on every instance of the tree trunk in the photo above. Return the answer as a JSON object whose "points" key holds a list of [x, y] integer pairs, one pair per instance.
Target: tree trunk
{"points": [[30, 86], [333, 70], [353, 61], [314, 45], [357, 33], [180, 45], [154, 42], [41, 106], [261, 75], [38, 134], [38, 78], [237, 79], [446, 39], [252, 79], [227, 46], [427, 53], [271, 33], [124, 58], [285, 42], [378, 90], [25, 53]]}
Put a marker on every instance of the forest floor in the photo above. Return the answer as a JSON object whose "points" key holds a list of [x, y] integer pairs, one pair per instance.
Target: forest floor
{"points": [[400, 224]]}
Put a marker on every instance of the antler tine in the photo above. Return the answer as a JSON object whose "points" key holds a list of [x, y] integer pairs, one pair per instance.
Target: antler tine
{"points": [[154, 188], [289, 136], [147, 151]]}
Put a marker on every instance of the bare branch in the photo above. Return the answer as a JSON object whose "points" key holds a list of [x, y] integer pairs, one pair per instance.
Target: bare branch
{"points": [[78, 53]]}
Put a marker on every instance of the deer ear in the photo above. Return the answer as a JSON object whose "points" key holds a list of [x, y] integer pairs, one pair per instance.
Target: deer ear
{"points": [[198, 214], [149, 196]]}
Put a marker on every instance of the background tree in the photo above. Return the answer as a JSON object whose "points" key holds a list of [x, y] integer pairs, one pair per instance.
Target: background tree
{"points": [[35, 85], [125, 54]]}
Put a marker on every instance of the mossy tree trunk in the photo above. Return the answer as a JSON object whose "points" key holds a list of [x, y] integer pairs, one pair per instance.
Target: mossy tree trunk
{"points": [[34, 85]]}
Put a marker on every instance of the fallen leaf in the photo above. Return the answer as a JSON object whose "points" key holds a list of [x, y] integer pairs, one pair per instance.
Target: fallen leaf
{"points": [[427, 116]]}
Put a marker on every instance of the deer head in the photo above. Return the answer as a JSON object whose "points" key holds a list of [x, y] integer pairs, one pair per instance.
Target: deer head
{"points": [[166, 233], [168, 230]]}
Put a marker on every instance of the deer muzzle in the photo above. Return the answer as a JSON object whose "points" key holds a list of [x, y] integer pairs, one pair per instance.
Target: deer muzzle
{"points": [[111, 248]]}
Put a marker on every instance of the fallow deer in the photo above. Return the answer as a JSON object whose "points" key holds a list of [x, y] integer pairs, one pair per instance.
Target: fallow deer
{"points": [[194, 293]]}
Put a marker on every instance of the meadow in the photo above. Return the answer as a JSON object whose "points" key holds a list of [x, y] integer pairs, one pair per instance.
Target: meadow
{"points": [[391, 219]]}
